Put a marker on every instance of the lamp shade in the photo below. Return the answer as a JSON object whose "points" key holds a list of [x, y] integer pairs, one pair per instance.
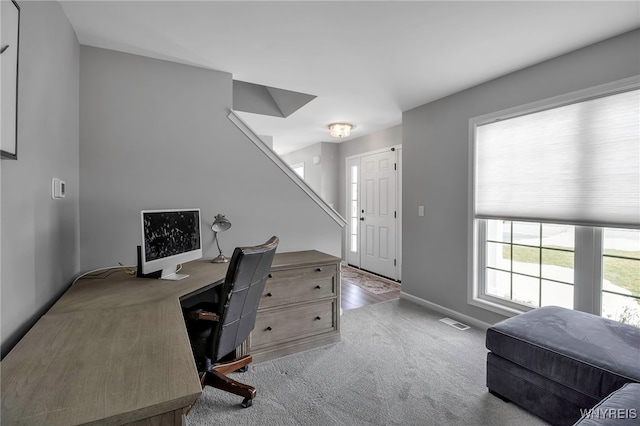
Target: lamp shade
{"points": [[220, 223]]}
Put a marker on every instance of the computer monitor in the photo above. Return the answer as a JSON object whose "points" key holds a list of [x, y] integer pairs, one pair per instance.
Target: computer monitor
{"points": [[169, 238]]}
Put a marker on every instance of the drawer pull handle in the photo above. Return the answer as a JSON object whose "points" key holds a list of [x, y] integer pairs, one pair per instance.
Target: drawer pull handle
{"points": [[318, 269], [318, 287], [269, 295], [318, 318], [269, 329]]}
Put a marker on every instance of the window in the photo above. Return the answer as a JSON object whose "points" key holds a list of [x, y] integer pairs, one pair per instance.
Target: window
{"points": [[530, 263], [621, 275], [299, 169], [556, 204], [354, 215]]}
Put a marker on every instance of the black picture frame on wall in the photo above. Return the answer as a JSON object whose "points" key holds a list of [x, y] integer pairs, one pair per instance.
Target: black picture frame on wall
{"points": [[9, 56]]}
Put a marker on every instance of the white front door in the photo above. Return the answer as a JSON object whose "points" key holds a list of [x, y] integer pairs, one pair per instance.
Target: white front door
{"points": [[378, 209], [373, 213]]}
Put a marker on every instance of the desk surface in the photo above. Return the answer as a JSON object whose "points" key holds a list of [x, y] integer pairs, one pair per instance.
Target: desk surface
{"points": [[113, 349]]}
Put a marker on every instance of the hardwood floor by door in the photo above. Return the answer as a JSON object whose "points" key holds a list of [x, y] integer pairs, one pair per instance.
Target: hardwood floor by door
{"points": [[354, 296]]}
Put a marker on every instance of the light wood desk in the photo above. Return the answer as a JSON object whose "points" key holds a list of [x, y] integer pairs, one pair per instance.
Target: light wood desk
{"points": [[113, 350]]}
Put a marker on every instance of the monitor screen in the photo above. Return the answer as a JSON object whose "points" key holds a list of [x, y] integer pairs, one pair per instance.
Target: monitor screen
{"points": [[169, 238]]}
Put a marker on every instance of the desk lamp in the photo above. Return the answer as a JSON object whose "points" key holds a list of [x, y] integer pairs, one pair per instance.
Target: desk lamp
{"points": [[220, 224]]}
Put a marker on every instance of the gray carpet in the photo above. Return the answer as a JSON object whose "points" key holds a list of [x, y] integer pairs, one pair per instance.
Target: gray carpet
{"points": [[396, 365]]}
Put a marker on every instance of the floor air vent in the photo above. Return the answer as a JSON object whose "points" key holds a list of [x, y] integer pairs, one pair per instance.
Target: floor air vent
{"points": [[454, 323]]}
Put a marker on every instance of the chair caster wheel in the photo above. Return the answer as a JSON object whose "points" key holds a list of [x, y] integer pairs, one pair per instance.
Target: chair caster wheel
{"points": [[243, 369], [247, 403]]}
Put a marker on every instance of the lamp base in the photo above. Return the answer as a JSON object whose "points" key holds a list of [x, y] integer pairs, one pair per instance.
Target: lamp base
{"points": [[220, 259]]}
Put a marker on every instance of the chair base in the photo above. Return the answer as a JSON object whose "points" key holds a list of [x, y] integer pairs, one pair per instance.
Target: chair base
{"points": [[216, 377]]}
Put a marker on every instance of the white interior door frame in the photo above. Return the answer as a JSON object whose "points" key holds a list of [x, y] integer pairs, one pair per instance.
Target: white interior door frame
{"points": [[354, 208]]}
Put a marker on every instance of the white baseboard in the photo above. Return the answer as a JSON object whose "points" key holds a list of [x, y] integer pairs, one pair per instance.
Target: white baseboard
{"points": [[448, 312]]}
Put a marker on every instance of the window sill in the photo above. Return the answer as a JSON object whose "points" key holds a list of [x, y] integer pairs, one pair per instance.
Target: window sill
{"points": [[497, 307]]}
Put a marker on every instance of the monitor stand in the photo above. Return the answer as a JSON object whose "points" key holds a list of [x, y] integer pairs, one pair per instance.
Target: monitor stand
{"points": [[170, 274], [165, 274]]}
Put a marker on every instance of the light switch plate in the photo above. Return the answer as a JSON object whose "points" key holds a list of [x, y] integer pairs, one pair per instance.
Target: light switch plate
{"points": [[58, 188]]}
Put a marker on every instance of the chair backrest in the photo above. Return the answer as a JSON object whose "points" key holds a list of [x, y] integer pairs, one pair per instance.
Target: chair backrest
{"points": [[239, 297]]}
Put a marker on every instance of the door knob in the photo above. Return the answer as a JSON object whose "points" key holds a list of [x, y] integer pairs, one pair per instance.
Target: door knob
{"points": [[362, 218]]}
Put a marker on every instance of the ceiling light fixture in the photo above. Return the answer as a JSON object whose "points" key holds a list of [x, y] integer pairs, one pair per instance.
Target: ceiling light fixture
{"points": [[340, 130]]}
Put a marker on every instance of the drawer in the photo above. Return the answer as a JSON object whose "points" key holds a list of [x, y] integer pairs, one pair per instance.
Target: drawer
{"points": [[282, 325], [303, 273], [293, 288]]}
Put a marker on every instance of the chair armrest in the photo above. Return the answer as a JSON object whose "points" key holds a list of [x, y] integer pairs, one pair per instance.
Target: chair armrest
{"points": [[202, 315]]}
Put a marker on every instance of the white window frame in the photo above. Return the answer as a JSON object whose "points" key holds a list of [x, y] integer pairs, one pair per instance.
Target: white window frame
{"points": [[588, 239]]}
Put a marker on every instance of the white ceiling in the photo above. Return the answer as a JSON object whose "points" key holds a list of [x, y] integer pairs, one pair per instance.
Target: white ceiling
{"points": [[366, 61]]}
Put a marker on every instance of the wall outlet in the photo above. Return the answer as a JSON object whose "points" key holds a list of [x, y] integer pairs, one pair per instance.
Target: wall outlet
{"points": [[420, 210], [58, 188]]}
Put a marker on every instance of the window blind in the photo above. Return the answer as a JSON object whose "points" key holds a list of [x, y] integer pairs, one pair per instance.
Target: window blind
{"points": [[577, 163]]}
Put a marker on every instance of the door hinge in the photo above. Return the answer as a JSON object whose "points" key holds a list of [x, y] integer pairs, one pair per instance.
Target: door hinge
{"points": [[395, 165], [394, 262], [395, 214]]}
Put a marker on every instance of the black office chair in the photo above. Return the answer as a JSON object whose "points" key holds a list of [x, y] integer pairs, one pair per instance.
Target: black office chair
{"points": [[218, 326]]}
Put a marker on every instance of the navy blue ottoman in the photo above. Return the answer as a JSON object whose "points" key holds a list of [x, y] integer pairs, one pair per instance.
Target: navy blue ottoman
{"points": [[557, 363]]}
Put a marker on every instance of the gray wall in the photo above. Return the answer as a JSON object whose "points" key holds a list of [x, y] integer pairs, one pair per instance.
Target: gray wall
{"points": [[155, 134], [329, 163], [312, 172], [40, 236], [321, 177], [436, 162]]}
